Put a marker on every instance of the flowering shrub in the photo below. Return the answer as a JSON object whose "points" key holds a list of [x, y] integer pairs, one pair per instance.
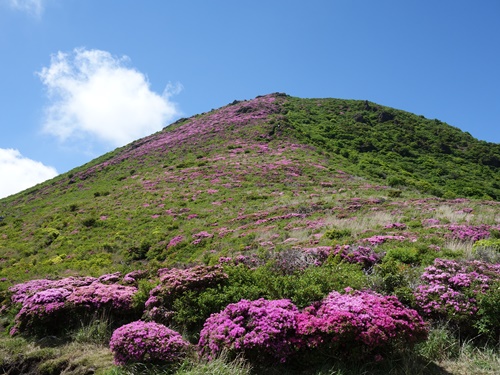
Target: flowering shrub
{"points": [[451, 288], [147, 342], [469, 232], [378, 240], [358, 254], [256, 329], [56, 304], [359, 320], [175, 241], [134, 277], [175, 282], [200, 237], [395, 226]]}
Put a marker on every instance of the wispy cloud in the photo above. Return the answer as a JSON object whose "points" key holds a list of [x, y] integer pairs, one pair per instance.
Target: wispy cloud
{"points": [[18, 172], [33, 7], [97, 96]]}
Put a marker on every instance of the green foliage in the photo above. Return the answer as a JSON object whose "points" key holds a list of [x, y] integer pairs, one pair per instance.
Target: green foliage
{"points": [[96, 331], [394, 193], [222, 365], [403, 149], [488, 323], [141, 296], [337, 234], [404, 255], [441, 344], [192, 308], [490, 244]]}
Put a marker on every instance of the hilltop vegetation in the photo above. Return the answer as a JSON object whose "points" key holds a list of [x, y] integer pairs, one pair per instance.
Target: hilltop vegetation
{"points": [[400, 148], [277, 204]]}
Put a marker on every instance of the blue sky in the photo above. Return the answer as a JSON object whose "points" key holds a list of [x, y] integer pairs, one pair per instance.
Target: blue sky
{"points": [[80, 77]]}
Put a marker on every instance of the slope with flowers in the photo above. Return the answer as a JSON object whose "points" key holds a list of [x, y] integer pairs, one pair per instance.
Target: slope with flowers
{"points": [[299, 211]]}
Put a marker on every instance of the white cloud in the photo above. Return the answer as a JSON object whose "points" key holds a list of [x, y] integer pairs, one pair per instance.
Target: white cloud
{"points": [[33, 7], [97, 95], [18, 173]]}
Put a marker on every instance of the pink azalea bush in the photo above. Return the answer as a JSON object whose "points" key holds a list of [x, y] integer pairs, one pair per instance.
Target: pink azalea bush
{"points": [[380, 239], [147, 342], [450, 289], [359, 320], [258, 329], [56, 304], [395, 226], [469, 232], [363, 255], [175, 241], [174, 282]]}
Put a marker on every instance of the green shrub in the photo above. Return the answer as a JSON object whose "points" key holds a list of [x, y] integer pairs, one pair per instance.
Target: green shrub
{"points": [[337, 234], [490, 244], [394, 193], [89, 222], [488, 323], [404, 255], [393, 276], [314, 283]]}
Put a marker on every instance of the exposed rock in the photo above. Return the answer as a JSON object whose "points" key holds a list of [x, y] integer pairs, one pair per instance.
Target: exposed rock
{"points": [[385, 116], [358, 117]]}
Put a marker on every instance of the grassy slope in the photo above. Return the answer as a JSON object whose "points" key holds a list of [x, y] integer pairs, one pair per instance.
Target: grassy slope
{"points": [[247, 161], [263, 175]]}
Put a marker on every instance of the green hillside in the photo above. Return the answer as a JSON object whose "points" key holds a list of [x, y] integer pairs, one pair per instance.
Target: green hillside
{"points": [[220, 171], [399, 148], [291, 198]]}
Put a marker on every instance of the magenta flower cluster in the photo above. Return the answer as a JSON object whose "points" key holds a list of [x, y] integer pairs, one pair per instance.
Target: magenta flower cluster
{"points": [[359, 318], [253, 328], [175, 241], [395, 226], [201, 236], [44, 301], [378, 240], [176, 281], [147, 342], [363, 255], [469, 232], [450, 288], [362, 320]]}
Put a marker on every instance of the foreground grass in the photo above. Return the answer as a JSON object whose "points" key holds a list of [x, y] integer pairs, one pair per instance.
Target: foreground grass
{"points": [[47, 356], [440, 355]]}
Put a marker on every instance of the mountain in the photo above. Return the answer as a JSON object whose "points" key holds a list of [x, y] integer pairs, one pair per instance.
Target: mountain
{"points": [[347, 236], [233, 179]]}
